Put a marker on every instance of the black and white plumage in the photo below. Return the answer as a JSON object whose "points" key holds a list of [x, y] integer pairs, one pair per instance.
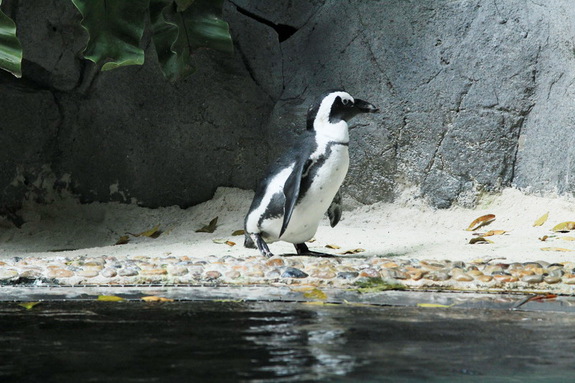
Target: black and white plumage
{"points": [[303, 184]]}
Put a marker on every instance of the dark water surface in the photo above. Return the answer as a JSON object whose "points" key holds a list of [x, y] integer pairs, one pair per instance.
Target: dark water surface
{"points": [[280, 342]]}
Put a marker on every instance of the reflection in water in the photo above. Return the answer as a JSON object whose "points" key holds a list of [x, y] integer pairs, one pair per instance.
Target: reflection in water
{"points": [[302, 347]]}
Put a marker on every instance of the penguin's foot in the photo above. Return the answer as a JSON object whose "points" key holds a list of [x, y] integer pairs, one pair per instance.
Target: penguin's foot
{"points": [[302, 249], [261, 245]]}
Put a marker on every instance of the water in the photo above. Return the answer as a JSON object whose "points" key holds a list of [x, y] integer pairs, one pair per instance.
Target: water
{"points": [[280, 342]]}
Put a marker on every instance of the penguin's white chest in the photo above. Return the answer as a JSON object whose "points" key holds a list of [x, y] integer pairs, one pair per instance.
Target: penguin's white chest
{"points": [[328, 175]]}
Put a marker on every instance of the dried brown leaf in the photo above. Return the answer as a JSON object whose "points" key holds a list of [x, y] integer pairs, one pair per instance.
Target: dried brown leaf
{"points": [[353, 251], [481, 221], [238, 232], [494, 232], [316, 294], [330, 246], [230, 243], [153, 298], [541, 220], [564, 227], [210, 227], [544, 238], [123, 240], [479, 240], [556, 249], [566, 238]]}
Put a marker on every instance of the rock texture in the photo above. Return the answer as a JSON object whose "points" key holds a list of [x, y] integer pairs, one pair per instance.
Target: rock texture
{"points": [[474, 96]]}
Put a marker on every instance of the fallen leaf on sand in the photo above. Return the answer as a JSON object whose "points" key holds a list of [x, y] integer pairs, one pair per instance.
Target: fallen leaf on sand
{"points": [[210, 227], [109, 298], [479, 240], [123, 240], [541, 220], [566, 238], [316, 294], [329, 246], [353, 251], [481, 221], [153, 298], [221, 241], [564, 226], [555, 249], [230, 243], [494, 232], [238, 232], [544, 238], [154, 232]]}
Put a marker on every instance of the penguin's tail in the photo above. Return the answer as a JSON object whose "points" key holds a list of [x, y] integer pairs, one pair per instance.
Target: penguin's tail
{"points": [[248, 242]]}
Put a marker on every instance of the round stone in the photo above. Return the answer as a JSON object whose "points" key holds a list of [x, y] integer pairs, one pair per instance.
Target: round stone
{"points": [[212, 275], [177, 270], [90, 273], [323, 273], [108, 272], [462, 278], [153, 272], [275, 262], [59, 273], [293, 272], [535, 278], [347, 275], [552, 279], [128, 272], [8, 274], [484, 278], [369, 273], [234, 274], [437, 276], [505, 278]]}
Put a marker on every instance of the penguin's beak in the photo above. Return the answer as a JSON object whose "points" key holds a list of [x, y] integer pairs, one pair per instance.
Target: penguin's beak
{"points": [[364, 106]]}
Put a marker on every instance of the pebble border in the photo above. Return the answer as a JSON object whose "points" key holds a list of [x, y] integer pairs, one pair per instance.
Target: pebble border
{"points": [[340, 272]]}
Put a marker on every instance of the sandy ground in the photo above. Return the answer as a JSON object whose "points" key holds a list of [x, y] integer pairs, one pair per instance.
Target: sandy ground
{"points": [[408, 229]]}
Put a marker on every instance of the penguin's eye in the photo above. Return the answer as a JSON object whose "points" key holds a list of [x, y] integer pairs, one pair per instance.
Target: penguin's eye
{"points": [[346, 102]]}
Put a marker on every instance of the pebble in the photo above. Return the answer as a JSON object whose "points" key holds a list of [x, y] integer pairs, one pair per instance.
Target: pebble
{"points": [[369, 273], [323, 274], [437, 276], [292, 272], [484, 278], [108, 272], [552, 279], [347, 274], [535, 278], [177, 270], [212, 275], [128, 272], [234, 274], [90, 273], [153, 272], [8, 274], [463, 278], [57, 272]]}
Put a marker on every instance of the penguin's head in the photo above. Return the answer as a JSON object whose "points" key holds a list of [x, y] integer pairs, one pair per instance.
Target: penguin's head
{"points": [[335, 106]]}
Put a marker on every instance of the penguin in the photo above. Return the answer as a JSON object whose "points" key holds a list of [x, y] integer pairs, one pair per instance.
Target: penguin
{"points": [[303, 184]]}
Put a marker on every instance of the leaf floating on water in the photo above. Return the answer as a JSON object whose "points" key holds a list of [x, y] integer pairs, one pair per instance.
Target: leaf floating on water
{"points": [[494, 232], [110, 298], [556, 249], [541, 220], [481, 221], [28, 305], [434, 305], [123, 240], [353, 251], [316, 294], [566, 238], [153, 298], [479, 240], [564, 227], [238, 232], [329, 246], [210, 227]]}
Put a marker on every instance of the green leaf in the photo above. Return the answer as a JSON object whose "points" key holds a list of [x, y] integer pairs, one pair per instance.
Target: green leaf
{"points": [[10, 48], [28, 305], [210, 227], [177, 33], [115, 28]]}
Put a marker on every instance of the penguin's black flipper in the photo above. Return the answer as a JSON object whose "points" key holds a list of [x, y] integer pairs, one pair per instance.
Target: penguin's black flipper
{"points": [[291, 191], [334, 210]]}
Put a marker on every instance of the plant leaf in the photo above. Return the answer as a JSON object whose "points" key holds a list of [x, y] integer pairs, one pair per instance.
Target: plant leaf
{"points": [[230, 243], [153, 298], [556, 249], [110, 298], [566, 238], [353, 251], [238, 232], [154, 232], [123, 240], [564, 226], [481, 221], [316, 294], [10, 47], [479, 240], [115, 28], [330, 246], [494, 232], [210, 227], [178, 32], [541, 220], [28, 305]]}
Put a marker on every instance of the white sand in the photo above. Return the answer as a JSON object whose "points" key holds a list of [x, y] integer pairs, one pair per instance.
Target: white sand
{"points": [[408, 229]]}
